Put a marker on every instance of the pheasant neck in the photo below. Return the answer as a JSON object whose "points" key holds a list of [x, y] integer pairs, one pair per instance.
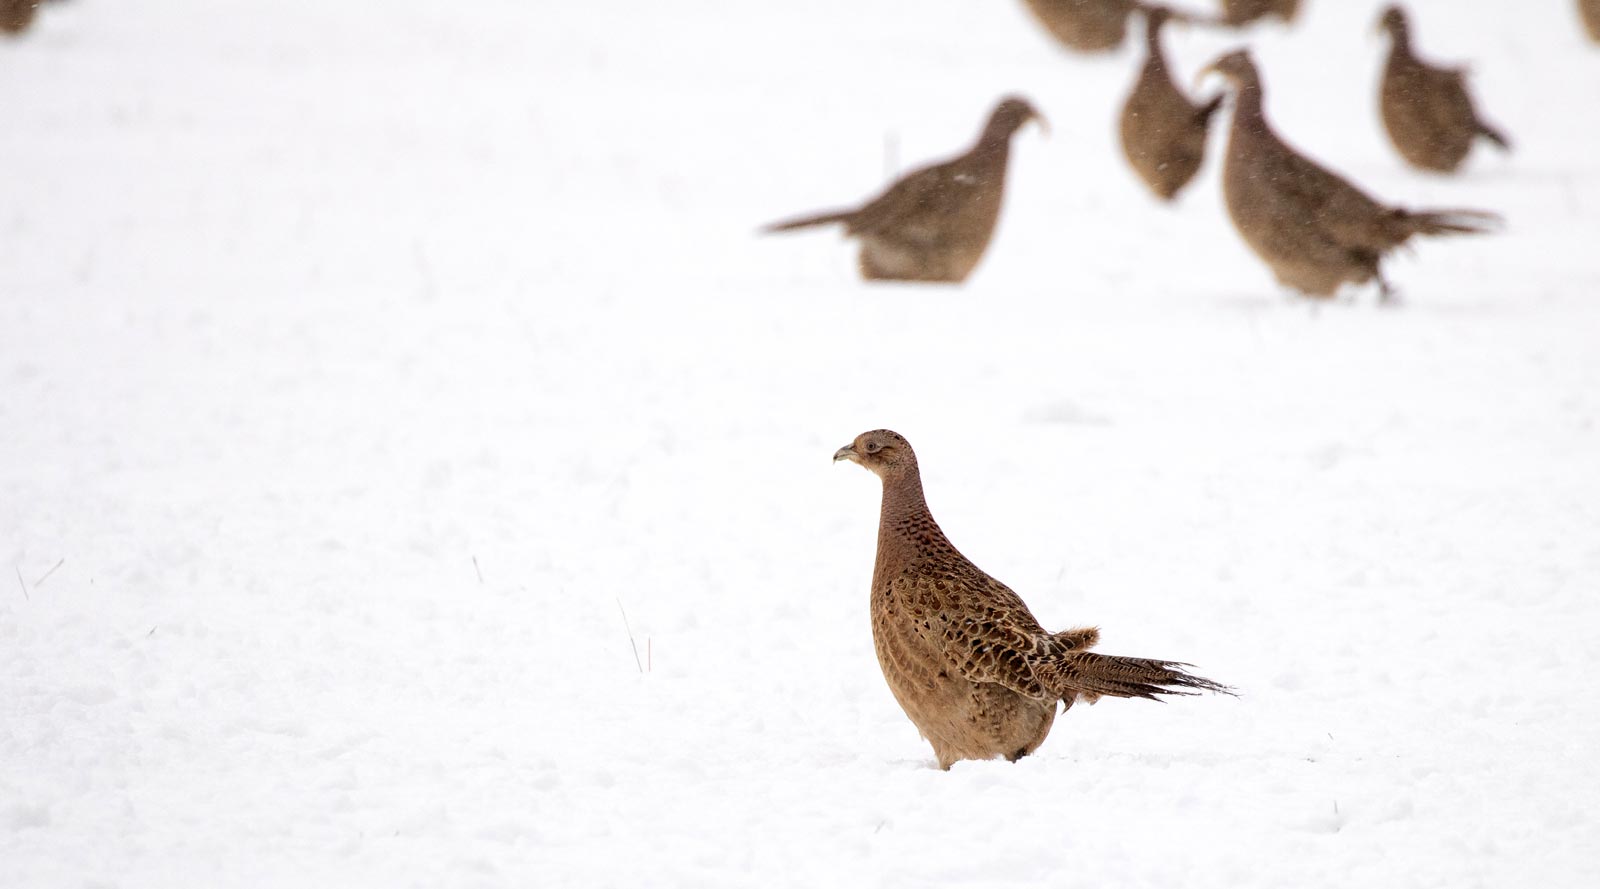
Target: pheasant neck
{"points": [[993, 151], [1152, 43], [905, 514], [1402, 40], [1247, 111]]}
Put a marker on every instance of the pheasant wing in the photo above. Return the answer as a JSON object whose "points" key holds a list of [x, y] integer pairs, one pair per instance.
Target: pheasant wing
{"points": [[981, 628], [917, 202]]}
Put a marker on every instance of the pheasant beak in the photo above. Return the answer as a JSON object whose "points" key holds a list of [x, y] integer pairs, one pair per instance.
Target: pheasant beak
{"points": [[848, 452], [1044, 125]]}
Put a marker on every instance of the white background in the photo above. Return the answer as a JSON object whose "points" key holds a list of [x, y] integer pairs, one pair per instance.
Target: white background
{"points": [[311, 313]]}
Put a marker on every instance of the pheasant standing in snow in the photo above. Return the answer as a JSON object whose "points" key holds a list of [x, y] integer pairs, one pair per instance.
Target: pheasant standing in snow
{"points": [[1589, 11], [965, 658], [1315, 230], [1085, 25], [17, 15], [1426, 110], [935, 223], [1163, 133]]}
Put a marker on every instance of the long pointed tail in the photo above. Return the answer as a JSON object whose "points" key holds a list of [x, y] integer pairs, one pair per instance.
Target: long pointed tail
{"points": [[1091, 674], [1493, 135], [1450, 222], [810, 220]]}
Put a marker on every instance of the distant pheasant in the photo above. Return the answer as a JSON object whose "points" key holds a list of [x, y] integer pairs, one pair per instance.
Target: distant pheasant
{"points": [[965, 658], [1242, 12], [1589, 11], [935, 223], [1085, 25], [1163, 133], [1315, 230], [16, 15], [1426, 109]]}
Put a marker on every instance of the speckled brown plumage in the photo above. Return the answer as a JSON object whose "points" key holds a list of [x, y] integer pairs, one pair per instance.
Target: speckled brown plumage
{"points": [[1589, 11], [1163, 133], [16, 15], [1243, 12], [1085, 25], [1315, 230], [935, 223], [962, 654], [1426, 110]]}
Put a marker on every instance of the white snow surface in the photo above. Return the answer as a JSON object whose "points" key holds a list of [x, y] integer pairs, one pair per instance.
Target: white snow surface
{"points": [[363, 362]]}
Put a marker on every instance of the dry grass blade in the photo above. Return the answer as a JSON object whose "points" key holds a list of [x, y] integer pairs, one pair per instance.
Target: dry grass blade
{"points": [[625, 626]]}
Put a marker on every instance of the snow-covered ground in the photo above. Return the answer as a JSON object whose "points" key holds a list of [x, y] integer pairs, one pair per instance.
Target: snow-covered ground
{"points": [[361, 363]]}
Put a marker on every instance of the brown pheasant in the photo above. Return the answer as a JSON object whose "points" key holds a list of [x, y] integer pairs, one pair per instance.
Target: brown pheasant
{"points": [[17, 15], [1242, 12], [935, 223], [1589, 11], [968, 663], [1085, 25], [1315, 230], [1426, 110], [1163, 133]]}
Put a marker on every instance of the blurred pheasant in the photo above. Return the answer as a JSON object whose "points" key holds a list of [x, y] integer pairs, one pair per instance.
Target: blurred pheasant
{"points": [[17, 15], [1085, 25], [1426, 109], [1589, 10], [1315, 230], [961, 652], [935, 223], [1242, 12], [1163, 133]]}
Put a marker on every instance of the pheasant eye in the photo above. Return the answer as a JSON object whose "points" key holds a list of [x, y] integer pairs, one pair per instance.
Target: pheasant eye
{"points": [[873, 447]]}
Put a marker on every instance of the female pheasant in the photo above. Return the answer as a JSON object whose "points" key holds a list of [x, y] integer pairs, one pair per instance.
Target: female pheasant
{"points": [[965, 658]]}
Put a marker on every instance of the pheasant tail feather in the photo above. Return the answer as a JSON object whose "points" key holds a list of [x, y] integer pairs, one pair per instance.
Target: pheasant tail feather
{"points": [[810, 220], [1122, 677], [1451, 222], [1493, 135]]}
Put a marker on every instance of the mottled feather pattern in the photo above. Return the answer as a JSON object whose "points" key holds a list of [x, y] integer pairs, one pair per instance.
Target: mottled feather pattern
{"points": [[1427, 112], [935, 222], [1314, 229], [1163, 133], [966, 659]]}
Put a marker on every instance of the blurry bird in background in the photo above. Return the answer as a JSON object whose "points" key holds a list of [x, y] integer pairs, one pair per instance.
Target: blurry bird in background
{"points": [[1589, 11], [1163, 133], [1090, 26], [1426, 109], [934, 223], [1243, 12], [17, 15], [1314, 229]]}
